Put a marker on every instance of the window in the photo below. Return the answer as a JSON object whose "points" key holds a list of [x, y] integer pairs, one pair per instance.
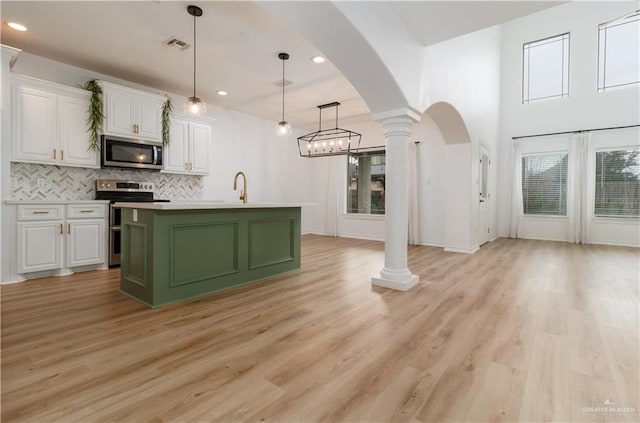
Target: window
{"points": [[617, 183], [544, 184], [618, 52], [365, 183], [546, 69]]}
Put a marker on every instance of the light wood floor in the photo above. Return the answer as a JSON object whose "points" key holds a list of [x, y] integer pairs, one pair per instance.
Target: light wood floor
{"points": [[519, 331]]}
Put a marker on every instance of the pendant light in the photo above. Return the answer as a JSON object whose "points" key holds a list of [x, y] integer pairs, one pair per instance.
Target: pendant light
{"points": [[334, 141], [283, 129], [194, 106]]}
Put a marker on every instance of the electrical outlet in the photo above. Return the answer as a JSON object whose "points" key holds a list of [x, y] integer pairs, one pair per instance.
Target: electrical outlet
{"points": [[14, 182], [40, 182]]}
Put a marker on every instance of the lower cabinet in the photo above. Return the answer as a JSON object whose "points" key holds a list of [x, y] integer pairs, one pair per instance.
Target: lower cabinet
{"points": [[40, 246], [52, 237], [85, 242]]}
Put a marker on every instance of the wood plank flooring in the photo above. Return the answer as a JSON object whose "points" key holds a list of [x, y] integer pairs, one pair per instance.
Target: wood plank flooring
{"points": [[520, 331]]}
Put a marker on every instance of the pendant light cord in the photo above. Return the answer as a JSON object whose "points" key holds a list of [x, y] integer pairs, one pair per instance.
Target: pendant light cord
{"points": [[283, 60], [194, 55]]}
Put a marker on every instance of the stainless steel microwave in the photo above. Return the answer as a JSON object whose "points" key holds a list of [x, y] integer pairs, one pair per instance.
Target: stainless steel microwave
{"points": [[120, 152]]}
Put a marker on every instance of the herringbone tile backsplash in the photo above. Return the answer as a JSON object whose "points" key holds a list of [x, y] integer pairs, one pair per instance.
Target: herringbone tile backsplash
{"points": [[75, 183]]}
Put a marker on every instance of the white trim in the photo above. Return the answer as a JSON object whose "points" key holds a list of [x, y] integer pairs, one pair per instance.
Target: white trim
{"points": [[366, 238], [409, 112], [404, 285], [614, 244], [610, 220], [432, 244], [363, 216], [462, 250], [545, 239]]}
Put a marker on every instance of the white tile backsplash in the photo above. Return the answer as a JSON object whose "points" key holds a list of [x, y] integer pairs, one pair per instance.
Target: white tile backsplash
{"points": [[49, 182]]}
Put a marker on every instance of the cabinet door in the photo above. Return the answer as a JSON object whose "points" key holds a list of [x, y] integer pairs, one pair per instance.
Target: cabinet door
{"points": [[74, 136], [120, 113], [148, 119], [175, 153], [85, 242], [199, 141], [34, 125], [39, 246]]}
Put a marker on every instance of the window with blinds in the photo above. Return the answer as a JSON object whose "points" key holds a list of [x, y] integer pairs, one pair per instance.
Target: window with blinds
{"points": [[544, 184], [617, 191]]}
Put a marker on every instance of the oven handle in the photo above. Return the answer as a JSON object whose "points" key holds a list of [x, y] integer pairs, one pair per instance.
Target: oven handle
{"points": [[155, 155]]}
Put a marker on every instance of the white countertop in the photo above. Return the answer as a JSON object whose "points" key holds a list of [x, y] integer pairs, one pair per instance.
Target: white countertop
{"points": [[203, 205], [29, 202]]}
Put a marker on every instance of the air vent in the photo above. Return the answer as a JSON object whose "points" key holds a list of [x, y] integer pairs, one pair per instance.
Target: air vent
{"points": [[279, 83], [173, 41]]}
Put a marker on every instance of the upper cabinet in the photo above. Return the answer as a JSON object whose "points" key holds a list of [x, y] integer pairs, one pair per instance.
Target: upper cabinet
{"points": [[49, 124], [132, 113], [188, 148]]}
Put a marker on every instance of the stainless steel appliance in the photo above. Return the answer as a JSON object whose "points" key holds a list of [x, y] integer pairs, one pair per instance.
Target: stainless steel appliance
{"points": [[120, 152], [120, 191]]}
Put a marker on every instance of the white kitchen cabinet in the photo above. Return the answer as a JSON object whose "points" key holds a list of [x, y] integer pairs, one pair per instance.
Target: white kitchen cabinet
{"points": [[40, 245], [188, 148], [59, 237], [132, 113], [85, 242], [49, 124]]}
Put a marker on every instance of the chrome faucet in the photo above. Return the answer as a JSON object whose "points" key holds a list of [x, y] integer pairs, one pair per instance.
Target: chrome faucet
{"points": [[243, 192]]}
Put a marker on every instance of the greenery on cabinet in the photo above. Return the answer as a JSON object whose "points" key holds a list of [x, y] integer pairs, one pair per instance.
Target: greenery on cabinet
{"points": [[96, 113], [167, 109]]}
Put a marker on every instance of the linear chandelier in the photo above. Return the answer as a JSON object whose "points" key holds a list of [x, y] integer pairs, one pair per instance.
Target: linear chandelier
{"points": [[329, 142]]}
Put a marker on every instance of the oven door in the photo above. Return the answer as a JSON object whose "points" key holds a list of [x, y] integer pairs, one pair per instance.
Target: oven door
{"points": [[123, 152]]}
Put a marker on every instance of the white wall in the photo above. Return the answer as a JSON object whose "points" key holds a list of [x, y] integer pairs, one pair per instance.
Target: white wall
{"points": [[585, 108], [465, 72]]}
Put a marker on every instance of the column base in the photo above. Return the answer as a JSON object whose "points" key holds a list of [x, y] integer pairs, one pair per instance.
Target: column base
{"points": [[404, 284]]}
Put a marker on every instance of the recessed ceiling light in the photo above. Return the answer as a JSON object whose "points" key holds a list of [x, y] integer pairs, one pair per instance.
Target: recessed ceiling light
{"points": [[17, 26], [318, 59], [221, 92]]}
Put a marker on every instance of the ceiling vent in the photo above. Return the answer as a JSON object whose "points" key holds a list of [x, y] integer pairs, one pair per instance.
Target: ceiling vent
{"points": [[173, 41]]}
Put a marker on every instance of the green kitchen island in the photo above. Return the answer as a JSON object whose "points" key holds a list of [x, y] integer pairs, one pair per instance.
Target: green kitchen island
{"points": [[179, 250]]}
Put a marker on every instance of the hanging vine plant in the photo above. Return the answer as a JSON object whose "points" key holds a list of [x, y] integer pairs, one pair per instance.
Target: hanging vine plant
{"points": [[167, 110], [96, 113]]}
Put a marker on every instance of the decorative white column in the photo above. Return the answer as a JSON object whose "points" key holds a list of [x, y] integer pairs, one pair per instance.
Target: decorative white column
{"points": [[395, 274]]}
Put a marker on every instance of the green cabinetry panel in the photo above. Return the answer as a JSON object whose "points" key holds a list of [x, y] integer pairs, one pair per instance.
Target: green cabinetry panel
{"points": [[173, 255], [204, 251]]}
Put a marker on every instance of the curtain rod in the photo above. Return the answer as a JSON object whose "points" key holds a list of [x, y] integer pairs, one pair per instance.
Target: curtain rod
{"points": [[575, 132]]}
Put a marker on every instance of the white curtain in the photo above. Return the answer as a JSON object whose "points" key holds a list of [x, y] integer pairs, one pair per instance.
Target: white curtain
{"points": [[414, 175], [579, 221], [517, 211], [333, 191]]}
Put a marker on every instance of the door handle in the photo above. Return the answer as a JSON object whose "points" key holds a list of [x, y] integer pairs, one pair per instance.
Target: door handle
{"points": [[69, 228], [61, 231], [61, 154], [54, 154]]}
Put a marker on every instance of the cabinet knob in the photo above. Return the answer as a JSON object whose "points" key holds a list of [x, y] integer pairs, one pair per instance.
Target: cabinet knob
{"points": [[61, 154], [61, 230], [69, 228], [54, 154]]}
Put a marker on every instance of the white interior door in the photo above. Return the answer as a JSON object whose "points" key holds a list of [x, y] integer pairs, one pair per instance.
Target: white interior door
{"points": [[484, 209]]}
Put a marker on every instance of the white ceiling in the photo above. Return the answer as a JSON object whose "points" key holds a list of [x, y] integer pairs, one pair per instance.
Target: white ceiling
{"points": [[237, 48]]}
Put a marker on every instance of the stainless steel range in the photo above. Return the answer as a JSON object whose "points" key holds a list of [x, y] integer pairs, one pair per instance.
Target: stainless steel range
{"points": [[120, 191]]}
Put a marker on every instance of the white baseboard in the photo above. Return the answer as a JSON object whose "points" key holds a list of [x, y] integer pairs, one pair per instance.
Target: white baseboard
{"points": [[433, 244], [462, 250]]}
